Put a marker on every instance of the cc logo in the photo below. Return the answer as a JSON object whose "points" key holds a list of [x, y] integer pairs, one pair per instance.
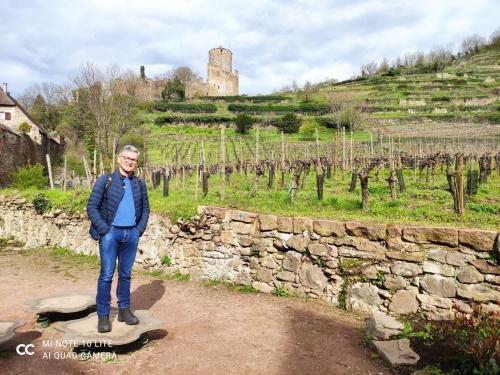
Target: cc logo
{"points": [[23, 349]]}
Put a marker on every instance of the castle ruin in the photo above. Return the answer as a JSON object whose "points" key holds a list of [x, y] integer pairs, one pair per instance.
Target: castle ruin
{"points": [[220, 78]]}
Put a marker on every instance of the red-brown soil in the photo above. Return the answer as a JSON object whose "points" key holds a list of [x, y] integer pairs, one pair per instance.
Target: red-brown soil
{"points": [[208, 329]]}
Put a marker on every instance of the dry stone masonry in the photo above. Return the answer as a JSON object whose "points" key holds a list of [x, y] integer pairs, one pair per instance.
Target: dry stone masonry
{"points": [[370, 267]]}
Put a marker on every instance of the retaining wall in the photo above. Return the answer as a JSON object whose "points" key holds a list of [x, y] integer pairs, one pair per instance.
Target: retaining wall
{"points": [[369, 267]]}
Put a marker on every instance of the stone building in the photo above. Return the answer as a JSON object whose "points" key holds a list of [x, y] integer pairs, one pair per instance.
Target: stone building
{"points": [[23, 140], [221, 81]]}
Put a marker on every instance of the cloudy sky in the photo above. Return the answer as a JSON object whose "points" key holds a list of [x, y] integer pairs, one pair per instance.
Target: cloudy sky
{"points": [[274, 42]]}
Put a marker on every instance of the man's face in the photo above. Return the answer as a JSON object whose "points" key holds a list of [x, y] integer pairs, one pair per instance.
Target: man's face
{"points": [[127, 162]]}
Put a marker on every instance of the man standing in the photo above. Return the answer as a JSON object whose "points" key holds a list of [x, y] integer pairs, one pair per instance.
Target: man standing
{"points": [[118, 209]]}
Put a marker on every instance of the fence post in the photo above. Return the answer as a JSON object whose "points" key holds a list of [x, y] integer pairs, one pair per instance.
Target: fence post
{"points": [[49, 167]]}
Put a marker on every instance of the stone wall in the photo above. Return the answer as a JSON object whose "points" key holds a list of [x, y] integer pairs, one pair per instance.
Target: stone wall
{"points": [[17, 150], [372, 267]]}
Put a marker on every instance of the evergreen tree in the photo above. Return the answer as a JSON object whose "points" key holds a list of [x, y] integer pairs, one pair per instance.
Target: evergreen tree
{"points": [[243, 123], [290, 123], [174, 91]]}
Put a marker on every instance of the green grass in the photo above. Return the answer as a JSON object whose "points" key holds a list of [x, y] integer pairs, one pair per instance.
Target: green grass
{"points": [[420, 204], [211, 283], [79, 259]]}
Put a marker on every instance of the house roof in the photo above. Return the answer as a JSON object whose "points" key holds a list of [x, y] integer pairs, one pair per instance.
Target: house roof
{"points": [[35, 122], [5, 99]]}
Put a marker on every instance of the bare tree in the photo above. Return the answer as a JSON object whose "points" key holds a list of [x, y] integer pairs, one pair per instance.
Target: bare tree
{"points": [[125, 113], [185, 74], [308, 89], [46, 102], [369, 69], [355, 116], [397, 62], [495, 38], [419, 58], [339, 101], [472, 44], [96, 89], [383, 66]]}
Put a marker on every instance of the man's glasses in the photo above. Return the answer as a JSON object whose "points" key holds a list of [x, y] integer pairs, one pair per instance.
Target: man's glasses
{"points": [[127, 159]]}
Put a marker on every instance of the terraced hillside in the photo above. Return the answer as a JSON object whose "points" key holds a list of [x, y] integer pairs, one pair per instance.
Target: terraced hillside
{"points": [[462, 99]]}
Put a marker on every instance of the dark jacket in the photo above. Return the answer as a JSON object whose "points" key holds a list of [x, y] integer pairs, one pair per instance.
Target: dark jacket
{"points": [[97, 207]]}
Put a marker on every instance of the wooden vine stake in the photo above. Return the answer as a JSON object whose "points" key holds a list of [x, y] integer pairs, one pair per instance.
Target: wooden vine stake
{"points": [[113, 158], [343, 153], [197, 176], [50, 172], [320, 176], [177, 165], [257, 146], [101, 165], [282, 159], [391, 178], [461, 185], [223, 162], [87, 171], [65, 175], [94, 169]]}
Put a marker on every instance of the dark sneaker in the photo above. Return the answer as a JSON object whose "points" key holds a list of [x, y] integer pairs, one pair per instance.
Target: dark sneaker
{"points": [[125, 315], [103, 324]]}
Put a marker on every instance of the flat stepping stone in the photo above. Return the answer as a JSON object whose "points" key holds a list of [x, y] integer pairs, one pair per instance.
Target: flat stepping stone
{"points": [[63, 302], [7, 328], [84, 331], [396, 352]]}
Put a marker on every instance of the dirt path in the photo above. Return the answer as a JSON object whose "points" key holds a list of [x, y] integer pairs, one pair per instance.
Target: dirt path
{"points": [[208, 330]]}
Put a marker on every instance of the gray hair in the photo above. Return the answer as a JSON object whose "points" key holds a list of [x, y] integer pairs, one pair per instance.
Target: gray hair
{"points": [[129, 148]]}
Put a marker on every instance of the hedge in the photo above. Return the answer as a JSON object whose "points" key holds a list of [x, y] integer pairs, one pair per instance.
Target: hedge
{"points": [[311, 108], [210, 119], [164, 106]]}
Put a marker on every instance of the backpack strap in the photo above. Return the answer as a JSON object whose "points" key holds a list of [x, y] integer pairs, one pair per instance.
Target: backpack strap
{"points": [[140, 181], [109, 181]]}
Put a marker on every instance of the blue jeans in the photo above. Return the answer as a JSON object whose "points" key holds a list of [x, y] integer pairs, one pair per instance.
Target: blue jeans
{"points": [[121, 244]]}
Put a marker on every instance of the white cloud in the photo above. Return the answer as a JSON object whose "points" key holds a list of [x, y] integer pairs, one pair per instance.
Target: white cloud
{"points": [[273, 41]]}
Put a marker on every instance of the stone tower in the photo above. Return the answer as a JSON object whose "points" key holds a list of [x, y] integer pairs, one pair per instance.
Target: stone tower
{"points": [[220, 78]]}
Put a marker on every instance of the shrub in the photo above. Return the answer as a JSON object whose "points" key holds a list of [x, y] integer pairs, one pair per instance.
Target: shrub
{"points": [[471, 338], [31, 176], [24, 127], [290, 123], [243, 123], [41, 203], [166, 260], [308, 130]]}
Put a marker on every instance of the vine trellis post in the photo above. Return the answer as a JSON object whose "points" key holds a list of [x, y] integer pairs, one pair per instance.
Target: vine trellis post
{"points": [[343, 154], [282, 159], [223, 162], [257, 146]]}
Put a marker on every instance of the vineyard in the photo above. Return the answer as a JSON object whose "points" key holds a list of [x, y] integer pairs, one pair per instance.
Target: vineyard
{"points": [[412, 146], [412, 179]]}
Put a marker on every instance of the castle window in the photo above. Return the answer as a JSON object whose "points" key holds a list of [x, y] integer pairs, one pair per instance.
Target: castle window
{"points": [[5, 116]]}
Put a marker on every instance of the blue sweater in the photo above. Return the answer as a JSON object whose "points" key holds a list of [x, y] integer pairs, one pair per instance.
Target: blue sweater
{"points": [[101, 215]]}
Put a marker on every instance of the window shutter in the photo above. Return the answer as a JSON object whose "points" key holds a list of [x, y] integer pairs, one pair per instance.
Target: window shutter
{"points": [[7, 115]]}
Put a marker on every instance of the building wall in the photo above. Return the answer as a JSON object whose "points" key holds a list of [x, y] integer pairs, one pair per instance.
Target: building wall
{"points": [[18, 117], [19, 150]]}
